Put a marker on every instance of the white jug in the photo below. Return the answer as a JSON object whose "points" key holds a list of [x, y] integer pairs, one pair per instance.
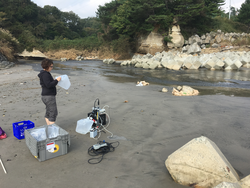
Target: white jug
{"points": [[84, 125], [64, 82]]}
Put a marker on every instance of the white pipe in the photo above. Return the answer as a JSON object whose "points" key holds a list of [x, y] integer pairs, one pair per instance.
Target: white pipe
{"points": [[3, 166]]}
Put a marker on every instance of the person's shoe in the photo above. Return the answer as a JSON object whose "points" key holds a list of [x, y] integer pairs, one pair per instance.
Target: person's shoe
{"points": [[3, 136]]}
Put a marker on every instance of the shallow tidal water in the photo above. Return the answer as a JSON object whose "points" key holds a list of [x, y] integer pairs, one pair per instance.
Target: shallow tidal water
{"points": [[218, 82]]}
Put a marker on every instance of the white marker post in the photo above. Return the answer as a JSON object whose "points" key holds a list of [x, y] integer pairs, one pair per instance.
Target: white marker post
{"points": [[3, 166], [229, 9]]}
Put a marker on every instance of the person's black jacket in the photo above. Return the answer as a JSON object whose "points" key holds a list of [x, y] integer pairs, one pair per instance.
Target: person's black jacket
{"points": [[48, 83]]}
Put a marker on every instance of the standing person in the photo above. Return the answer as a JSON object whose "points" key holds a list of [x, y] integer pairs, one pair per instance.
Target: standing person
{"points": [[48, 84]]}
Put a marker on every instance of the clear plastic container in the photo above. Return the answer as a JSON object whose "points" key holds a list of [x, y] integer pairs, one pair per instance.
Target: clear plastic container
{"points": [[64, 82], [39, 133], [84, 125], [53, 131]]}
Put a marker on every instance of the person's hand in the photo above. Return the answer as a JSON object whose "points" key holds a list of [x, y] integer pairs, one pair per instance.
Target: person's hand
{"points": [[59, 78]]}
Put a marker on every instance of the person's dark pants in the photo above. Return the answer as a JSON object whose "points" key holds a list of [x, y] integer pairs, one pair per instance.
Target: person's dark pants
{"points": [[51, 107]]}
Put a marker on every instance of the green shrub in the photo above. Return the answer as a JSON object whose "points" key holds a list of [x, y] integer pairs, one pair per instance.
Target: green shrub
{"points": [[168, 39], [121, 45], [228, 26], [242, 42], [59, 43], [7, 38]]}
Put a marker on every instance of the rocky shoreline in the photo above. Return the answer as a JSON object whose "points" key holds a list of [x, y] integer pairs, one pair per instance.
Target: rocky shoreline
{"points": [[175, 60], [212, 50]]}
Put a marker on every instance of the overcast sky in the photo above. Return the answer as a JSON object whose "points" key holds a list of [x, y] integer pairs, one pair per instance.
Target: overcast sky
{"points": [[87, 8]]}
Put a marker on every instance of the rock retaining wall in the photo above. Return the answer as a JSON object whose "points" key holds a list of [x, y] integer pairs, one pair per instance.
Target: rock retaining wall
{"points": [[214, 39], [176, 60]]}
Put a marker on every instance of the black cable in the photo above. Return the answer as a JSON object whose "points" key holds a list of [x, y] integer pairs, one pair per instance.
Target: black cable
{"points": [[101, 151], [97, 103]]}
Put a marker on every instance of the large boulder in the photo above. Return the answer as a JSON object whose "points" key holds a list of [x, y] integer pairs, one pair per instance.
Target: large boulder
{"points": [[184, 91], [177, 40], [2, 57], [6, 64], [194, 49], [195, 39], [200, 163], [245, 182], [208, 39]]}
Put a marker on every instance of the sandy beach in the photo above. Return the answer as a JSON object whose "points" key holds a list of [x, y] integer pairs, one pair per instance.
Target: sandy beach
{"points": [[149, 127]]}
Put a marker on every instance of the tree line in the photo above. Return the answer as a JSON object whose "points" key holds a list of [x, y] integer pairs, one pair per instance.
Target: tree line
{"points": [[31, 24], [117, 23]]}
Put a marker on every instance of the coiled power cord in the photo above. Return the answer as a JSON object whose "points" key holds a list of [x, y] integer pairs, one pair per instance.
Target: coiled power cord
{"points": [[101, 151]]}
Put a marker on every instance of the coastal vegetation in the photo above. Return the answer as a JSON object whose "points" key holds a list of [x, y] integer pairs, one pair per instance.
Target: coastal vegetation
{"points": [[116, 27]]}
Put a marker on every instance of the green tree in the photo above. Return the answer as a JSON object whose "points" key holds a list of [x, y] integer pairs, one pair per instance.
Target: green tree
{"points": [[2, 17], [196, 16], [73, 22], [141, 16], [130, 17], [244, 13], [105, 13], [52, 10]]}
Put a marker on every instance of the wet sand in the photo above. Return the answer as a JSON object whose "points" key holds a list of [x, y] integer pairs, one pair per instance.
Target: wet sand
{"points": [[149, 127]]}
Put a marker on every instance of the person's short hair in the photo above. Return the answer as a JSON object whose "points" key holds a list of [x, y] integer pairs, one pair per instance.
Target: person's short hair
{"points": [[46, 63]]}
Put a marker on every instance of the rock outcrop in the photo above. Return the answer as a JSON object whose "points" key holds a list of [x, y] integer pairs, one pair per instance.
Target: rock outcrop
{"points": [[177, 40], [4, 63], [200, 163], [151, 44]]}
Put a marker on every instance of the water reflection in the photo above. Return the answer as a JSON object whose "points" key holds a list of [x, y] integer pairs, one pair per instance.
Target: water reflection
{"points": [[233, 83]]}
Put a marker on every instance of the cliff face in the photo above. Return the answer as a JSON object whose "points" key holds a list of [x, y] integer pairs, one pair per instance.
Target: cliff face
{"points": [[151, 44], [154, 42]]}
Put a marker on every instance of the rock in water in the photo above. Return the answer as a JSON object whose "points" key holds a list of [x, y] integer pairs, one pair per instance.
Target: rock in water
{"points": [[164, 90], [200, 163]]}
